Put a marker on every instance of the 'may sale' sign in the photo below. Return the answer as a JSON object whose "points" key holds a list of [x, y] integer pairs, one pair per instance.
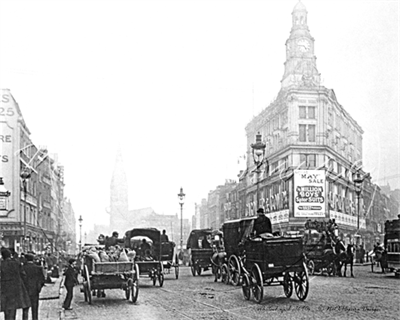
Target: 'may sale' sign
{"points": [[309, 193]]}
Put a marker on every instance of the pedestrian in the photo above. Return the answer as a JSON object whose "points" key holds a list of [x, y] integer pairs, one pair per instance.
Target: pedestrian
{"points": [[33, 283], [70, 280], [13, 293], [164, 237], [262, 224]]}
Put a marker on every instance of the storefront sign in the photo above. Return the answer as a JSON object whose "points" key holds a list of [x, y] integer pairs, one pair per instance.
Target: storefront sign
{"points": [[309, 193], [346, 219]]}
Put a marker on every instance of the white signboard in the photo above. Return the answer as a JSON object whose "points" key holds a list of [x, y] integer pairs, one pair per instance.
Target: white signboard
{"points": [[309, 193]]}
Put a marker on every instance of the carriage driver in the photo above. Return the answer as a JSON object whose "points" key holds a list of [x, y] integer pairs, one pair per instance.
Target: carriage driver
{"points": [[262, 225]]}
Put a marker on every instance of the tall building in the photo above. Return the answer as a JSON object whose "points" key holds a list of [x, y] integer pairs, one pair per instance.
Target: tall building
{"points": [[119, 207], [313, 146]]}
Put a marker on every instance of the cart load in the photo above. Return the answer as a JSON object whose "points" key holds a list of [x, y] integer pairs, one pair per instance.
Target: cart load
{"points": [[109, 269]]}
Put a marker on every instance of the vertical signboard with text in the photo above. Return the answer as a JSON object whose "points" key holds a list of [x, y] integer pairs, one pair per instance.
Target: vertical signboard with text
{"points": [[309, 193]]}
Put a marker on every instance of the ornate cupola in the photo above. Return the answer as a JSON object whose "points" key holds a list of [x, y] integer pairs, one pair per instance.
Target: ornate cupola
{"points": [[300, 65]]}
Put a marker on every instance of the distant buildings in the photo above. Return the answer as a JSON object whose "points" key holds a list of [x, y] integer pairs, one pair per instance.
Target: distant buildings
{"points": [[37, 207], [313, 152]]}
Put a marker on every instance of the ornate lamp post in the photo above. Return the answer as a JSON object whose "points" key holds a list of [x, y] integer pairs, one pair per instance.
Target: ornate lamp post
{"points": [[181, 197], [80, 233], [358, 179], [258, 151], [25, 175]]}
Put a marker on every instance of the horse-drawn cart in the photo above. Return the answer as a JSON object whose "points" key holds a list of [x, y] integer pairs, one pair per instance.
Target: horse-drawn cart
{"points": [[274, 261], [99, 276], [169, 258], [147, 244], [199, 243]]}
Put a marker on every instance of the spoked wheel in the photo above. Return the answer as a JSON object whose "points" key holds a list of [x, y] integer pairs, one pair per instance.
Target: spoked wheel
{"points": [[301, 284], [246, 287], [257, 283], [89, 286], [128, 289], [311, 267], [234, 270], [225, 274], [330, 269], [134, 290], [287, 285], [161, 279]]}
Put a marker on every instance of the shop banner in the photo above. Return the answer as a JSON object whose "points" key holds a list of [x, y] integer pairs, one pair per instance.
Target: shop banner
{"points": [[309, 193]]}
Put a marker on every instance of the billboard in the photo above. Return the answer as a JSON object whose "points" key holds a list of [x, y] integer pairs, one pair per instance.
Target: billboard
{"points": [[309, 193]]}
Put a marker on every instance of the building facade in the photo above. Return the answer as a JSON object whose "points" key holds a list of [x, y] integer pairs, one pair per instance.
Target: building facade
{"points": [[33, 219], [313, 153]]}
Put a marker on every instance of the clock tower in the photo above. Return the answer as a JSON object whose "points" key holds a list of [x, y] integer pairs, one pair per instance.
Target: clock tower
{"points": [[300, 65]]}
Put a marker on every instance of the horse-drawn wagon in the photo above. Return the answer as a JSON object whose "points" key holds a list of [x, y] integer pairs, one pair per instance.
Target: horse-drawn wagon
{"points": [[234, 231], [169, 258], [147, 244], [318, 248], [273, 261], [201, 252], [100, 275]]}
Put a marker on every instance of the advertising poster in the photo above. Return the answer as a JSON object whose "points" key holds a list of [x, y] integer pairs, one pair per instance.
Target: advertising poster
{"points": [[309, 193]]}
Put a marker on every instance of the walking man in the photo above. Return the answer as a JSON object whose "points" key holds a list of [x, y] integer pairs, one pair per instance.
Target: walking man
{"points": [[70, 281], [33, 284]]}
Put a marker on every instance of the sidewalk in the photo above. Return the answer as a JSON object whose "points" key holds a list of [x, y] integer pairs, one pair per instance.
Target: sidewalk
{"points": [[49, 302]]}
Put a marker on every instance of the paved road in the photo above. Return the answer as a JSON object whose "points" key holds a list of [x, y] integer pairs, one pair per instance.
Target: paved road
{"points": [[367, 296]]}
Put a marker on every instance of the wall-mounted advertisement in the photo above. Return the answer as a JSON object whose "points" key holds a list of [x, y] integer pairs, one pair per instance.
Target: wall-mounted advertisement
{"points": [[309, 193]]}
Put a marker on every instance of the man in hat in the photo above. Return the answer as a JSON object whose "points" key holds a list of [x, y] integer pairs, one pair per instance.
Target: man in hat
{"points": [[262, 224], [70, 281], [33, 284]]}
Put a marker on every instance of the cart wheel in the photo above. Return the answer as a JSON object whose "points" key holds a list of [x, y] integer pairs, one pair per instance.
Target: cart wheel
{"points": [[301, 284], [287, 285], [89, 286], [246, 287], [234, 270], [330, 269], [161, 279], [193, 268], [257, 283], [311, 267], [134, 288], [225, 274], [198, 270]]}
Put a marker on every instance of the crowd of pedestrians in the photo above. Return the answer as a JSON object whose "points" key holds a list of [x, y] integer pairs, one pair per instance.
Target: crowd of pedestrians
{"points": [[22, 279]]}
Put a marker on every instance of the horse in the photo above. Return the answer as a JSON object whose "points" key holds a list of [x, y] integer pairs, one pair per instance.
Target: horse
{"points": [[344, 257], [348, 260]]}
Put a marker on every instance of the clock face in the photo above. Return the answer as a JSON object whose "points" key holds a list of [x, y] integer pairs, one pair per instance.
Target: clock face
{"points": [[303, 45]]}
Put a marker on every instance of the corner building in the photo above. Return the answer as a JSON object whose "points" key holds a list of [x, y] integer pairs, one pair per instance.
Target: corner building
{"points": [[305, 128]]}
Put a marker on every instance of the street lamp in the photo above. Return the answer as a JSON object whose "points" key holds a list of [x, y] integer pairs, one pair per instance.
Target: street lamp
{"points": [[358, 180], [25, 176], [258, 157], [80, 233], [181, 197]]}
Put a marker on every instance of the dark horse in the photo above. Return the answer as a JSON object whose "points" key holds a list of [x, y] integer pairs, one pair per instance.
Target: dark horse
{"points": [[344, 257]]}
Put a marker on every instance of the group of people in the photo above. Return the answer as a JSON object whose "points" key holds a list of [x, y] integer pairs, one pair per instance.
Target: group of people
{"points": [[22, 280]]}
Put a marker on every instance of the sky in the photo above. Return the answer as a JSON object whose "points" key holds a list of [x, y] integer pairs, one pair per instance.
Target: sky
{"points": [[174, 84]]}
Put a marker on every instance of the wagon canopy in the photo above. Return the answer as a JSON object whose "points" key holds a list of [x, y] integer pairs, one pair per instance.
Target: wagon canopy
{"points": [[236, 230], [195, 235], [151, 233]]}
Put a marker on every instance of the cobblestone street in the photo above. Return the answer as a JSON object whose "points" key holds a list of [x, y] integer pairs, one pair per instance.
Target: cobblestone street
{"points": [[367, 296]]}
